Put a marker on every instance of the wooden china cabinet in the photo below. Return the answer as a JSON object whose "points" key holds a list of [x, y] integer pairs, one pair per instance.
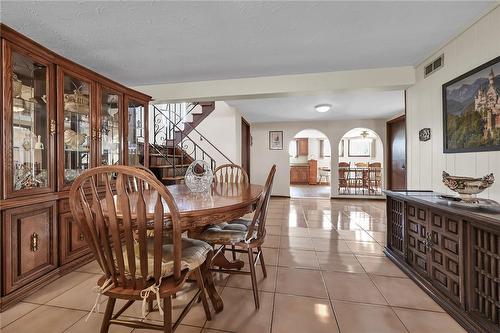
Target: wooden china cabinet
{"points": [[58, 119]]}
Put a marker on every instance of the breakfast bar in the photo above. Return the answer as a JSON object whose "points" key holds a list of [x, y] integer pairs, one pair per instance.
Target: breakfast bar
{"points": [[451, 252]]}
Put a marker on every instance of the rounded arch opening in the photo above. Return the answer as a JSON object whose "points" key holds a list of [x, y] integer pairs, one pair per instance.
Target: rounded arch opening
{"points": [[310, 164], [360, 163]]}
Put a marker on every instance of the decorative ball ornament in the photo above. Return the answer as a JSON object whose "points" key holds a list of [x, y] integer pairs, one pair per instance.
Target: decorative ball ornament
{"points": [[199, 176]]}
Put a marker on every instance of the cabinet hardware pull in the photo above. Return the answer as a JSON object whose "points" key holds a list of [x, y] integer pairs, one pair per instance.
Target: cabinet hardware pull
{"points": [[99, 135], [34, 244], [52, 128], [82, 237], [94, 134]]}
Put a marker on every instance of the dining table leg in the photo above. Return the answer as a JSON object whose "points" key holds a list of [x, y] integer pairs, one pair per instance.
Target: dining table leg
{"points": [[213, 294]]}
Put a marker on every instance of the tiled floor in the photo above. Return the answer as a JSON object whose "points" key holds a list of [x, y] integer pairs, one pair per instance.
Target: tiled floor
{"points": [[326, 273], [310, 191]]}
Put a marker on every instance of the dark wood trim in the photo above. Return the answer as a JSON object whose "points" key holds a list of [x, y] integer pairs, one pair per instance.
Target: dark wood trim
{"points": [[247, 144], [389, 150]]}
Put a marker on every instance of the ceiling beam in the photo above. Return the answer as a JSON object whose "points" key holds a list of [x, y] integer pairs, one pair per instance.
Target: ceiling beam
{"points": [[393, 78]]}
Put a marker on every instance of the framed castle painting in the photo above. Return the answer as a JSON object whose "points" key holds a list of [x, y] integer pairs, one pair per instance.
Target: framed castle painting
{"points": [[471, 110]]}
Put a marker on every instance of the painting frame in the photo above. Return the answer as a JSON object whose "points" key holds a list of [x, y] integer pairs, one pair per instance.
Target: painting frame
{"points": [[446, 148], [275, 140], [350, 148]]}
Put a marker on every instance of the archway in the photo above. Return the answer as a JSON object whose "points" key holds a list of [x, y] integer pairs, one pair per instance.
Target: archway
{"points": [[310, 165], [360, 163]]}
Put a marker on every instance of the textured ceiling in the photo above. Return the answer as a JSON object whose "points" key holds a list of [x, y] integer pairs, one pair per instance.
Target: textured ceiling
{"points": [[146, 42], [345, 105]]}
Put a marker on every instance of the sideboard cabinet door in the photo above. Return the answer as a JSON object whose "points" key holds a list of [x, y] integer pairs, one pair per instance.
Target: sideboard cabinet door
{"points": [[72, 244], [29, 243], [395, 226], [446, 255], [417, 251]]}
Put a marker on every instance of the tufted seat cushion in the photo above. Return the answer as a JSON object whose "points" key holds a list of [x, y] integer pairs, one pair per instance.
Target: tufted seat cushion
{"points": [[238, 224], [194, 253]]}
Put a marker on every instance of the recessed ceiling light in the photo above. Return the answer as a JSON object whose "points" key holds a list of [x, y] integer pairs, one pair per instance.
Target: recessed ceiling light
{"points": [[323, 107]]}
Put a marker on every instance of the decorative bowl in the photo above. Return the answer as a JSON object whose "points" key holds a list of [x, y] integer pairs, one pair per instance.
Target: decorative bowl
{"points": [[468, 187], [199, 176]]}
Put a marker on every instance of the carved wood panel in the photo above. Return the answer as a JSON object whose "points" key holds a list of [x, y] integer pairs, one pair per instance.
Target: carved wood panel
{"points": [[484, 286], [395, 226], [416, 225], [446, 255], [30, 243], [72, 245]]}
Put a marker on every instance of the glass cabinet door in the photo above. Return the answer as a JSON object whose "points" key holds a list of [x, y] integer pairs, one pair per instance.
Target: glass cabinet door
{"points": [[28, 167], [77, 125], [109, 133], [136, 132]]}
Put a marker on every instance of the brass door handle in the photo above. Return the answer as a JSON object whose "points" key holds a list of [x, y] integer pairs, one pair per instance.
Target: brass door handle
{"points": [[82, 237], [99, 135], [34, 243], [94, 134]]}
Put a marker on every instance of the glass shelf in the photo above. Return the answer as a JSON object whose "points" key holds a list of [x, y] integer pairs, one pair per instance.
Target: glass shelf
{"points": [[29, 123], [136, 132], [77, 127], [110, 133]]}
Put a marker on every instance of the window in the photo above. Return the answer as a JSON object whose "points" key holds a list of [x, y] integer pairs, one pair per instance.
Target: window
{"points": [[292, 148]]}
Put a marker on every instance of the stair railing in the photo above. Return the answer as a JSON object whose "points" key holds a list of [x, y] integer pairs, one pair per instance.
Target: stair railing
{"points": [[163, 141]]}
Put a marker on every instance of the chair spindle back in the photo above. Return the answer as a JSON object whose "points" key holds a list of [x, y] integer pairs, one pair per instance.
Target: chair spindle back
{"points": [[259, 218], [231, 174]]}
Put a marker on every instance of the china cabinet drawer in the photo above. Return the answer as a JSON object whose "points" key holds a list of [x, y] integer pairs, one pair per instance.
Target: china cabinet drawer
{"points": [[29, 244], [72, 244]]}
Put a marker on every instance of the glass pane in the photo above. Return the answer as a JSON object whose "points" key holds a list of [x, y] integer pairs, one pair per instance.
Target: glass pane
{"points": [[29, 123], [135, 133], [76, 127], [110, 128]]}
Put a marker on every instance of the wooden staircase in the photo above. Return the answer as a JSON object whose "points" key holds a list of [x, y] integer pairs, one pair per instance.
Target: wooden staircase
{"points": [[172, 150]]}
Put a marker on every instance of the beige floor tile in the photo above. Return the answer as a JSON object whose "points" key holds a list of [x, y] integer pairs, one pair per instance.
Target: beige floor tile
{"points": [[273, 230], [81, 297], [339, 262], [424, 321], [239, 314], [294, 232], [352, 287], [270, 256], [330, 245], [16, 312], [92, 267], [298, 259], [93, 324], [135, 310], [271, 241], [361, 318], [368, 248], [380, 266], [270, 221], [180, 329], [404, 293], [46, 318], [300, 282], [294, 314], [208, 330], [355, 235], [379, 236], [58, 287], [323, 233], [299, 243], [264, 284]]}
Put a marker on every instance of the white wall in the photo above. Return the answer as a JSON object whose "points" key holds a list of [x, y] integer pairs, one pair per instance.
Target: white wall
{"points": [[426, 160], [262, 158], [222, 128]]}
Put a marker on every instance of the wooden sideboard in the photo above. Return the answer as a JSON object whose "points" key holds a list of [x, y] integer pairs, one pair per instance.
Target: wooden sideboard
{"points": [[451, 253], [304, 173], [59, 118]]}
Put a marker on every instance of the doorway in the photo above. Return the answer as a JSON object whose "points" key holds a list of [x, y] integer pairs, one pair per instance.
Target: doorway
{"points": [[396, 161], [309, 160], [246, 141]]}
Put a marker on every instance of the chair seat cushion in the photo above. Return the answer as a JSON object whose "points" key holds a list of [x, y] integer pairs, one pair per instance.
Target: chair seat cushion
{"points": [[194, 253], [220, 234], [237, 225]]}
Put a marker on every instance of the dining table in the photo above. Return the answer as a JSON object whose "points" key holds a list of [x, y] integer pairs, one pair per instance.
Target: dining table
{"points": [[222, 203]]}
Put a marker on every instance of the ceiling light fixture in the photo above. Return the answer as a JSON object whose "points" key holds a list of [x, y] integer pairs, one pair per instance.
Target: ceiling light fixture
{"points": [[364, 134], [323, 107]]}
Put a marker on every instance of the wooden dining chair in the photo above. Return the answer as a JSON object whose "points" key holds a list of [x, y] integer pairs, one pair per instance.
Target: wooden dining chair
{"points": [[343, 176], [138, 265], [375, 176], [230, 173], [245, 241]]}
